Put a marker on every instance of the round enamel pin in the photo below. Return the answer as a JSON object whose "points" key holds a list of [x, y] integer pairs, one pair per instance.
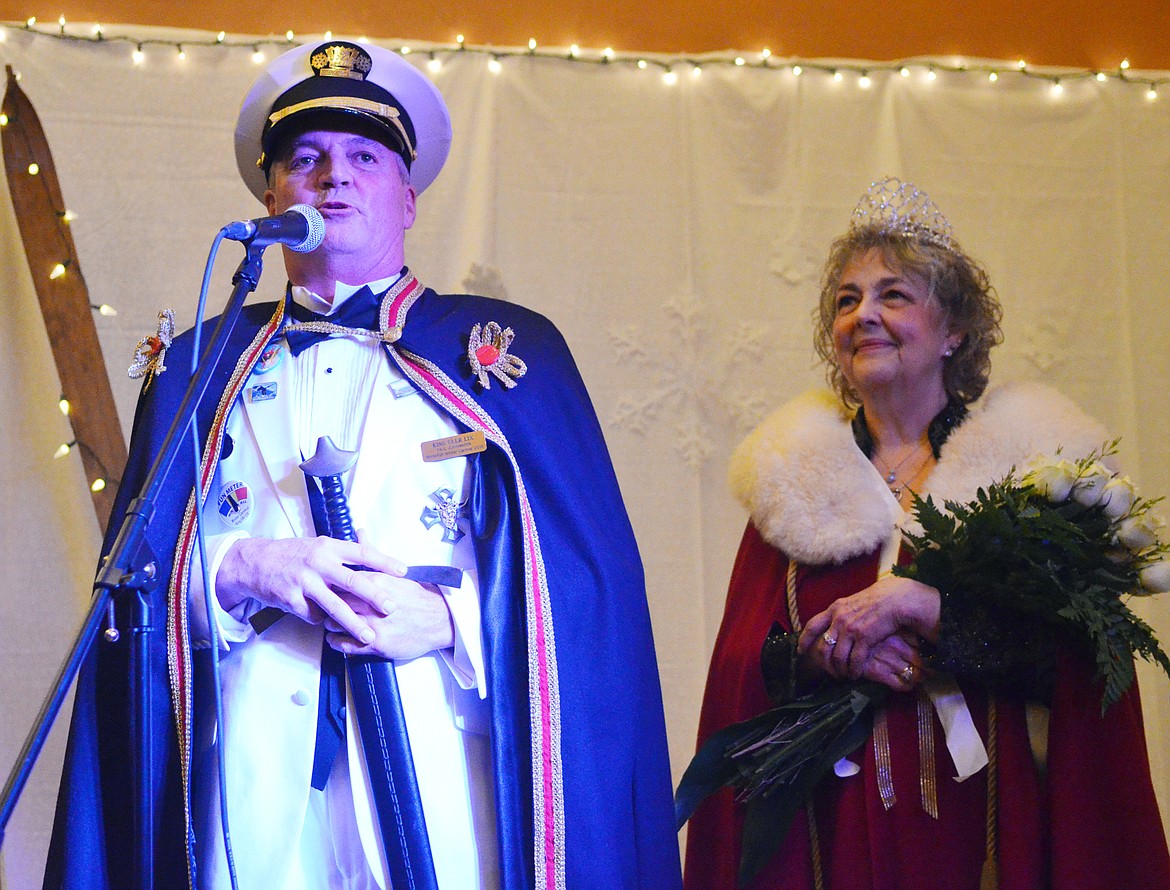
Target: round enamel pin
{"points": [[235, 504], [270, 358]]}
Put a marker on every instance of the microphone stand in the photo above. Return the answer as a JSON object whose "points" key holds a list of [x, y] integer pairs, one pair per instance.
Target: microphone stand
{"points": [[127, 577]]}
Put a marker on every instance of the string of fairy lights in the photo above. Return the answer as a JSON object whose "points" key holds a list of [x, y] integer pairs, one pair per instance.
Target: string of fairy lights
{"points": [[64, 217], [145, 47], [672, 68]]}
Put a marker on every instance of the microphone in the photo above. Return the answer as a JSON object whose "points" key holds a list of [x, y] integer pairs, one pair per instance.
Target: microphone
{"points": [[300, 228]]}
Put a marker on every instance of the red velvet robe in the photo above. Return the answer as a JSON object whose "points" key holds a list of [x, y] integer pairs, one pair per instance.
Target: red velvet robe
{"points": [[1094, 822]]}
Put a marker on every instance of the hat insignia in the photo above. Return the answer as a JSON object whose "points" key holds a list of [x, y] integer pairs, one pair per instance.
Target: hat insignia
{"points": [[341, 60]]}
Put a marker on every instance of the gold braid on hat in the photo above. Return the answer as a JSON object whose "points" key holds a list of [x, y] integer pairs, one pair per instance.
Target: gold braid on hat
{"points": [[388, 113]]}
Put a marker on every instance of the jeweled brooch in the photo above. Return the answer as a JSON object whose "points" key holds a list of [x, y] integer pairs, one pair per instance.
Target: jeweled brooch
{"points": [[487, 350], [151, 352]]}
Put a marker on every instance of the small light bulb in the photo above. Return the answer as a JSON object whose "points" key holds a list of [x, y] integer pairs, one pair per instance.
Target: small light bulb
{"points": [[219, 38], [1101, 78], [531, 43], [139, 55], [766, 53], [669, 78], [494, 66], [739, 60], [97, 30], [58, 271], [182, 54], [1057, 88], [405, 50], [642, 64], [1152, 92], [459, 39], [434, 65], [3, 120], [257, 56], [864, 82], [34, 168], [838, 76], [289, 35], [99, 484], [607, 54], [697, 71], [931, 74], [993, 77], [328, 35], [1021, 64], [107, 310], [63, 405], [574, 51], [31, 21], [797, 71], [904, 71], [63, 449], [61, 20], [1125, 64]]}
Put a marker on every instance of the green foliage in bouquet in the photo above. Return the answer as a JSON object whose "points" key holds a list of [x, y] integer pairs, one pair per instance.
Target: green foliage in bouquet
{"points": [[1066, 545]]}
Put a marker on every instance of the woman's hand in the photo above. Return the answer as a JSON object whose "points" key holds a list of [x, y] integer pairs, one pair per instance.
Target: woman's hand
{"points": [[894, 662], [854, 637]]}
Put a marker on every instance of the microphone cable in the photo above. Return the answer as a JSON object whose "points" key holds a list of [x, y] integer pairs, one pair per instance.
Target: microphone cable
{"points": [[212, 624]]}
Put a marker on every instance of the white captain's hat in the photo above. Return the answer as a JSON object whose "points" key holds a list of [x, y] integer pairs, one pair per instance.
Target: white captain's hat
{"points": [[348, 86]]}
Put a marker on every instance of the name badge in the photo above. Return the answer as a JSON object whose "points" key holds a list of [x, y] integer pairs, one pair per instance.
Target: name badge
{"points": [[454, 446]]}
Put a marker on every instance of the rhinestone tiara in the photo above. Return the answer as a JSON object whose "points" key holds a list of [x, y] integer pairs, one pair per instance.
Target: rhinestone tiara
{"points": [[894, 207]]}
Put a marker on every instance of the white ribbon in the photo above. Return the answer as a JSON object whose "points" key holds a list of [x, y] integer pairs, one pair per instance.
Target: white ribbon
{"points": [[963, 741]]}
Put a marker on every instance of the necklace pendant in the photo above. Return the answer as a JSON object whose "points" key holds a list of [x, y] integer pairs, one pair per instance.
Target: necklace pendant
{"points": [[890, 479]]}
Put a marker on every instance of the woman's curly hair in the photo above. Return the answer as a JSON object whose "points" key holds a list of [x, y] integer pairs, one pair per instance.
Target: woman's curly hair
{"points": [[957, 282]]}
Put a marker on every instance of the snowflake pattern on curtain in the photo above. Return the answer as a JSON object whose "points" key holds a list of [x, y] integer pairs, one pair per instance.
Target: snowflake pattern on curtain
{"points": [[690, 377]]}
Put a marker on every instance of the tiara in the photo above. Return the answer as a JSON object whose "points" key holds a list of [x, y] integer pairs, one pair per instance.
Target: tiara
{"points": [[897, 208]]}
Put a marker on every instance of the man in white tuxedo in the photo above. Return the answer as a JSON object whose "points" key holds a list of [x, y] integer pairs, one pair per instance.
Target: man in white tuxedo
{"points": [[331, 151], [528, 686]]}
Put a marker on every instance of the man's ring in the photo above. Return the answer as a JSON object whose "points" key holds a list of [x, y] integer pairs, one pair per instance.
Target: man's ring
{"points": [[829, 640], [907, 673]]}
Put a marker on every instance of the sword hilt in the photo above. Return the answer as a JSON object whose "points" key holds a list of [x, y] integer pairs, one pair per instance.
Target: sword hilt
{"points": [[328, 465]]}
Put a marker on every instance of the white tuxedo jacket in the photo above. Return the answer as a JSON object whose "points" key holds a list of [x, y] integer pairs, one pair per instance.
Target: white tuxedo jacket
{"points": [[270, 682]]}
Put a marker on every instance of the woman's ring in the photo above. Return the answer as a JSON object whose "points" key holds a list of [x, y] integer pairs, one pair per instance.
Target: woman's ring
{"points": [[907, 673], [831, 641]]}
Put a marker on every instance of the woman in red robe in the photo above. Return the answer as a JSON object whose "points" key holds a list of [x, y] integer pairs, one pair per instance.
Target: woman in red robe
{"points": [[990, 763]]}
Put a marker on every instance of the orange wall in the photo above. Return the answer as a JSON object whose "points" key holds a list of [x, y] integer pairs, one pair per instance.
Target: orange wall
{"points": [[1076, 33]]}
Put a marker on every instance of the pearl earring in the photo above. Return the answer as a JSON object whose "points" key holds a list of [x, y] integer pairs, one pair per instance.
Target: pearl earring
{"points": [[948, 352]]}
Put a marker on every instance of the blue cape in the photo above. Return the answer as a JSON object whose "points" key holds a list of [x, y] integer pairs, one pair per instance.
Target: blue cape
{"points": [[609, 734]]}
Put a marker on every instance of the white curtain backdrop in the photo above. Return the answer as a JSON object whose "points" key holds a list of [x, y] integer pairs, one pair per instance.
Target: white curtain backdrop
{"points": [[674, 232]]}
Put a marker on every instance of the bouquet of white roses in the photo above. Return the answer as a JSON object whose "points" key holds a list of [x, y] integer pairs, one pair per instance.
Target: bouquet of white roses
{"points": [[1063, 546]]}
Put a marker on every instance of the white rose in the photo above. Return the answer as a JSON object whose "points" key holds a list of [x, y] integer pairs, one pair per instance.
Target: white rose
{"points": [[1118, 496], [1090, 488], [1155, 578], [1139, 532], [1053, 480]]}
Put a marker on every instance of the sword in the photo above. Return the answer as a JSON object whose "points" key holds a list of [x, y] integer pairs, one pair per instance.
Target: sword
{"points": [[378, 707]]}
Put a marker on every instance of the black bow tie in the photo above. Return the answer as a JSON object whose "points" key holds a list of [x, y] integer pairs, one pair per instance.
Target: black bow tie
{"points": [[359, 311]]}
